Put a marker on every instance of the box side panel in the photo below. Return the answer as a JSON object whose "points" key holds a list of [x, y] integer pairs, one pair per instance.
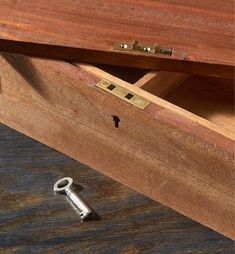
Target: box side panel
{"points": [[59, 105]]}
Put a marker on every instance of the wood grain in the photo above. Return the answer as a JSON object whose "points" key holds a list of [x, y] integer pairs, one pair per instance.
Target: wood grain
{"points": [[159, 152], [212, 100], [34, 220], [161, 83], [201, 33]]}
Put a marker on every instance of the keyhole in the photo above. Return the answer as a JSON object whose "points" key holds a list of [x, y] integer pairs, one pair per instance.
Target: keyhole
{"points": [[116, 121]]}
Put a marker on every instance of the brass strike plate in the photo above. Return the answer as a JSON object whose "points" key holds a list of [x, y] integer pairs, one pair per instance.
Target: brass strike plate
{"points": [[123, 93], [135, 46]]}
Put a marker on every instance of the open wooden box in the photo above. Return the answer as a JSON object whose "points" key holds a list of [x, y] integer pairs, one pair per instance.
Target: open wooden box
{"points": [[178, 149]]}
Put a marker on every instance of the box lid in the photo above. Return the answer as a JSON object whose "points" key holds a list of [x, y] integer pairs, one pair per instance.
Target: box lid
{"points": [[182, 35]]}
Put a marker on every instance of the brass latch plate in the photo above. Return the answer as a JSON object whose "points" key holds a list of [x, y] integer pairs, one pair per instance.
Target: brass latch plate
{"points": [[137, 47], [123, 93]]}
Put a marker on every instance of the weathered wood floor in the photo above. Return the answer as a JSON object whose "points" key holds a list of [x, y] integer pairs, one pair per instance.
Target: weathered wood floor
{"points": [[34, 220]]}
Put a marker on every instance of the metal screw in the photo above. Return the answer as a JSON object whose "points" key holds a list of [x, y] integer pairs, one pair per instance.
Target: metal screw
{"points": [[123, 46], [64, 186]]}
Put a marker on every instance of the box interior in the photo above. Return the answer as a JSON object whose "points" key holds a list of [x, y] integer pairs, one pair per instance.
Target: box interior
{"points": [[128, 74], [210, 98]]}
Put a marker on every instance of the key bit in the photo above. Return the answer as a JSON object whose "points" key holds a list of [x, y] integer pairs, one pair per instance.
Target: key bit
{"points": [[64, 186]]}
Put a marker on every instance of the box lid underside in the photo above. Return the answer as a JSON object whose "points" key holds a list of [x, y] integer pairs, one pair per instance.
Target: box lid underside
{"points": [[200, 33]]}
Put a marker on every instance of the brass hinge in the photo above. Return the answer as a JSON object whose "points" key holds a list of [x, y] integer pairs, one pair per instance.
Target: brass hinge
{"points": [[123, 93], [135, 46]]}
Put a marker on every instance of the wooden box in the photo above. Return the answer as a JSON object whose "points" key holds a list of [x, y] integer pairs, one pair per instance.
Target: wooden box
{"points": [[165, 134]]}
